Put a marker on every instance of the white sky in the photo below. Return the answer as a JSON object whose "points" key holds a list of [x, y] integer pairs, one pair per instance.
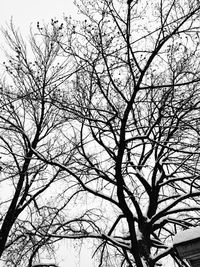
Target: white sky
{"points": [[24, 14]]}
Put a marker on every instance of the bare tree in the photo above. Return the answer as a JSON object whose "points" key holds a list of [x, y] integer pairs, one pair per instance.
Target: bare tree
{"points": [[29, 120], [111, 132], [135, 109]]}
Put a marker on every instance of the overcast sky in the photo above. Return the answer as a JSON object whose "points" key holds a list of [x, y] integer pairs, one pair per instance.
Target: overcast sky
{"points": [[24, 14]]}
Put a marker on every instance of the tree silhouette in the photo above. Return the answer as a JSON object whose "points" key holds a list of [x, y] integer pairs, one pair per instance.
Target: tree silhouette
{"points": [[120, 130], [29, 120], [135, 104]]}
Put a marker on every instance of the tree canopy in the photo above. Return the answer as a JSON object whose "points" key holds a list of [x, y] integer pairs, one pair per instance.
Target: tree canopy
{"points": [[104, 116]]}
